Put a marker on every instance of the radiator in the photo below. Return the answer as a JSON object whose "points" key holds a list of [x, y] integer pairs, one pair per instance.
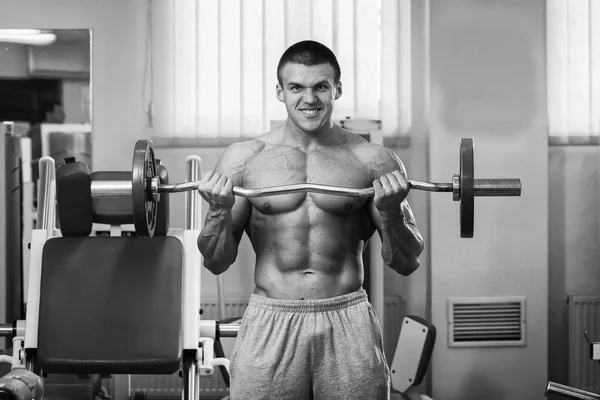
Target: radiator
{"points": [[167, 387], [584, 315]]}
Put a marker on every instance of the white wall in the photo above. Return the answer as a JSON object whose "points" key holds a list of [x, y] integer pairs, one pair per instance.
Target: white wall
{"points": [[13, 60], [488, 83]]}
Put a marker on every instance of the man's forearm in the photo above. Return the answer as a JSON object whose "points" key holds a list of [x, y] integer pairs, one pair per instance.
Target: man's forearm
{"points": [[216, 241], [401, 243]]}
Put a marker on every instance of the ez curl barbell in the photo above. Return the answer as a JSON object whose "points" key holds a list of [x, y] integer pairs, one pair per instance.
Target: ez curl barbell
{"points": [[145, 188]]}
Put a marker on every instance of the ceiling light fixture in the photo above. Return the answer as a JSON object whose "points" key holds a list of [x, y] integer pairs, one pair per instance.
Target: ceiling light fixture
{"points": [[33, 37]]}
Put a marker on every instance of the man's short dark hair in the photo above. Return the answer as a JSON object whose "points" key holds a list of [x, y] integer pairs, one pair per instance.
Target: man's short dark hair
{"points": [[309, 53]]}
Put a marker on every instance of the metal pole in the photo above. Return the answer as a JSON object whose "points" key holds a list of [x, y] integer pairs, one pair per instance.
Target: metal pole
{"points": [[6, 330], [27, 210], [190, 382], [192, 197], [111, 189], [567, 392], [46, 194], [228, 330]]}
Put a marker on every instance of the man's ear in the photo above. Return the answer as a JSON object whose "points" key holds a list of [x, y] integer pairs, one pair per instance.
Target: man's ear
{"points": [[338, 90], [279, 92]]}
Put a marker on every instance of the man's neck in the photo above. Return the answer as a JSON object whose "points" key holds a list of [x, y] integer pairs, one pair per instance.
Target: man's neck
{"points": [[308, 141]]}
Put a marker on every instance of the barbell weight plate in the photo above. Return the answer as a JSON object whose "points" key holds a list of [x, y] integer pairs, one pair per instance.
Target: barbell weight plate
{"points": [[144, 204], [467, 188]]}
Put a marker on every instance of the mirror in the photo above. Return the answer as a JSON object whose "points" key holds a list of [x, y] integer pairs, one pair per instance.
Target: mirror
{"points": [[45, 110], [45, 79]]}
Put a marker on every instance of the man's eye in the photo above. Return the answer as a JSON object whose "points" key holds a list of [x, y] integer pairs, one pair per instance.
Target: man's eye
{"points": [[323, 87], [294, 88]]}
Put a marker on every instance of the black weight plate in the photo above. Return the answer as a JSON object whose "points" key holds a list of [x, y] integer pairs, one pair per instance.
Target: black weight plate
{"points": [[144, 205], [467, 190]]}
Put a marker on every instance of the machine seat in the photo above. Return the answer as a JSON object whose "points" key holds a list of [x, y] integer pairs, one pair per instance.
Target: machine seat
{"points": [[111, 305]]}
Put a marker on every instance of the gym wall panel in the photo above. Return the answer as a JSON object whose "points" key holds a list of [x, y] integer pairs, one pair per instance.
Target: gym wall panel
{"points": [[488, 82]]}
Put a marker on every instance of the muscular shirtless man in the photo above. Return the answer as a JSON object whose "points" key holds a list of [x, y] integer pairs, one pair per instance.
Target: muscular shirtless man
{"points": [[309, 330]]}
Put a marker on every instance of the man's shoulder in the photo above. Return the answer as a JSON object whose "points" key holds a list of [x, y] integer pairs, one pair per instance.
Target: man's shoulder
{"points": [[377, 158], [366, 150], [243, 147], [239, 152]]}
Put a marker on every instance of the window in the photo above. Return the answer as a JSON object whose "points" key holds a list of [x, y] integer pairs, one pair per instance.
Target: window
{"points": [[214, 62], [573, 71]]}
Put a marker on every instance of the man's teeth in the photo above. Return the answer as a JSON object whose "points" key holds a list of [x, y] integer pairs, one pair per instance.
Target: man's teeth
{"points": [[309, 112]]}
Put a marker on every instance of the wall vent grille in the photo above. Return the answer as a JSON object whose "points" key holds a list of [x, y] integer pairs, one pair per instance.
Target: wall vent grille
{"points": [[486, 321]]}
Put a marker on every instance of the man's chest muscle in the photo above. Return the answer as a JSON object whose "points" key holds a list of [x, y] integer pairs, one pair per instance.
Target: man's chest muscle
{"points": [[292, 166]]}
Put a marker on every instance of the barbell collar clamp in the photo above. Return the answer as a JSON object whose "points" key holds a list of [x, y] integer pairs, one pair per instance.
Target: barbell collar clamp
{"points": [[155, 188], [456, 187]]}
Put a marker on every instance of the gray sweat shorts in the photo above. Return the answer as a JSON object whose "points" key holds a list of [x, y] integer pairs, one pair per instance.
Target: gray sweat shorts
{"points": [[324, 349]]}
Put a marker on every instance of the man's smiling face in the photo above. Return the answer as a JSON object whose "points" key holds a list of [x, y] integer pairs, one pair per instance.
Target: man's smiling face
{"points": [[309, 93]]}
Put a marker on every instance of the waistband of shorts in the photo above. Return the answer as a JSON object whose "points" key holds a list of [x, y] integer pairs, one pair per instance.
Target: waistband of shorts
{"points": [[308, 306]]}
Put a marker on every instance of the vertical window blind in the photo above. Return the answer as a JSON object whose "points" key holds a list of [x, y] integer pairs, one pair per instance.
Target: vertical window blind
{"points": [[573, 69], [213, 62]]}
